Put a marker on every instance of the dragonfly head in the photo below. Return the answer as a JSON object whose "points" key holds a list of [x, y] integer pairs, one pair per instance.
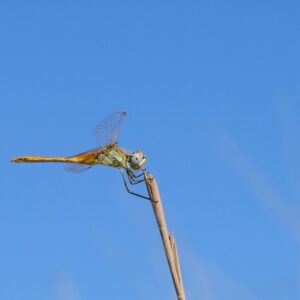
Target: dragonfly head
{"points": [[137, 160]]}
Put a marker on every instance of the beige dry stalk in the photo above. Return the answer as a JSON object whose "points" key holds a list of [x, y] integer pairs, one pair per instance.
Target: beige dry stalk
{"points": [[167, 238]]}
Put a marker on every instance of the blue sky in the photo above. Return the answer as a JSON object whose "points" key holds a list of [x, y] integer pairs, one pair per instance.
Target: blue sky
{"points": [[211, 91]]}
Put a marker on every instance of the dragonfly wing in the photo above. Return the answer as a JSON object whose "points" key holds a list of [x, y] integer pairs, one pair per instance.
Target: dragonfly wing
{"points": [[76, 168], [106, 132], [82, 161]]}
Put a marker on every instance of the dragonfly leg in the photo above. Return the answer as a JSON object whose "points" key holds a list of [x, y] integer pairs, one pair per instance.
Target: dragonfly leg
{"points": [[133, 178], [137, 181], [139, 175], [142, 172], [129, 191]]}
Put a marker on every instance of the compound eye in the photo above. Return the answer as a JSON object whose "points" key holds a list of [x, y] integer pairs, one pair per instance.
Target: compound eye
{"points": [[137, 158]]}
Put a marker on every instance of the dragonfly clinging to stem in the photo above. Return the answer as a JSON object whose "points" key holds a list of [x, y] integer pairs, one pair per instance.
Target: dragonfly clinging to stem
{"points": [[108, 154]]}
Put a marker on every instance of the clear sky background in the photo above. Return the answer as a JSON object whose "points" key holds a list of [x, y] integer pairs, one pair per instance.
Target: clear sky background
{"points": [[212, 95]]}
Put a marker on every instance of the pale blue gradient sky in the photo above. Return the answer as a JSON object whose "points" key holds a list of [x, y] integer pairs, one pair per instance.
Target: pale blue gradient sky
{"points": [[211, 91]]}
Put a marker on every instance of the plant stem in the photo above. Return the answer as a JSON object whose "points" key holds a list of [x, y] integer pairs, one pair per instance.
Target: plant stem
{"points": [[167, 238]]}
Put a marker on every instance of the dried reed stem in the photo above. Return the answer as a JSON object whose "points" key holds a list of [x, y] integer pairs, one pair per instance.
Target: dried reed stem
{"points": [[167, 238]]}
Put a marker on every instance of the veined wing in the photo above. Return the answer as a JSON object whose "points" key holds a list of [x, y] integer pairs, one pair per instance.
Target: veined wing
{"points": [[107, 132], [84, 161], [76, 168]]}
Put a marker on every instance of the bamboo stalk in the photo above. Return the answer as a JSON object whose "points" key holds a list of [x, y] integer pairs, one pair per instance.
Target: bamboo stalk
{"points": [[167, 238]]}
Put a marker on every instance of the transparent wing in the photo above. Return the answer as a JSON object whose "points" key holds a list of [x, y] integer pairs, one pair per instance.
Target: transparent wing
{"points": [[84, 161], [106, 132], [76, 168]]}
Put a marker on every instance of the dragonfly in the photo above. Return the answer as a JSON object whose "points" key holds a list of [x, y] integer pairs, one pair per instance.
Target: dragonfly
{"points": [[108, 154]]}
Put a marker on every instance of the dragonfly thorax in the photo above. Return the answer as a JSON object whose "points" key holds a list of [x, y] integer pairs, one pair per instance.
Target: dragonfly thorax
{"points": [[137, 160]]}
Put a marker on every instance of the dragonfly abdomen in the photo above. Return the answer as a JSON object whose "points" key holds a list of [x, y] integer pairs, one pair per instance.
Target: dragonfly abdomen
{"points": [[38, 159]]}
